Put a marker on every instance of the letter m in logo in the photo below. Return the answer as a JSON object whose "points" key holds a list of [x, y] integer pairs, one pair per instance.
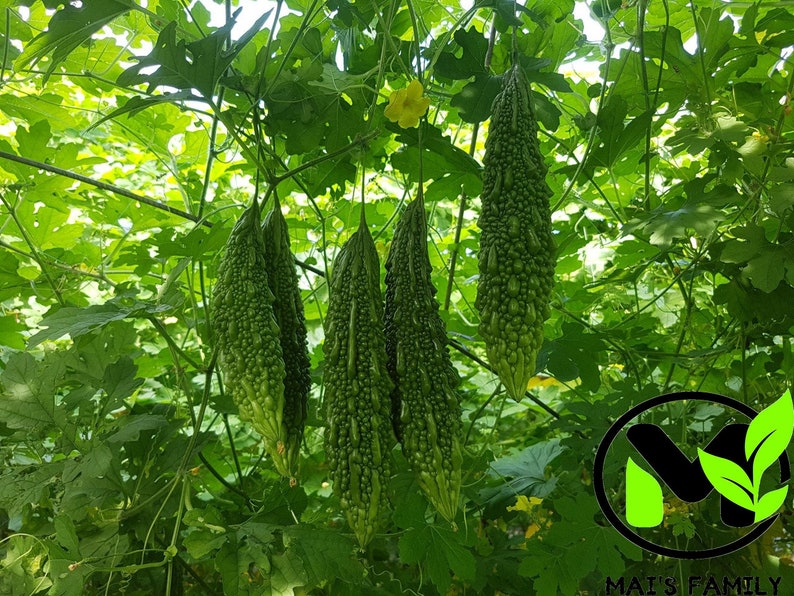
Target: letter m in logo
{"points": [[684, 477]]}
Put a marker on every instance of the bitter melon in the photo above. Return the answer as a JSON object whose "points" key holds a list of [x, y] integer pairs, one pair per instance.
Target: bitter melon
{"points": [[288, 310], [247, 334], [428, 409], [516, 258], [358, 437]]}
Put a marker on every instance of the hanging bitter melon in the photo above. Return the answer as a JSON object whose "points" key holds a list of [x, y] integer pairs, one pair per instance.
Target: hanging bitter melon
{"points": [[288, 310], [428, 415], [247, 334], [358, 437], [516, 258]]}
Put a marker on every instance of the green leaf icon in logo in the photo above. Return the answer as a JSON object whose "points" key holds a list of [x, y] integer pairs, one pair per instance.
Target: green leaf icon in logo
{"points": [[644, 500], [767, 437], [728, 479]]}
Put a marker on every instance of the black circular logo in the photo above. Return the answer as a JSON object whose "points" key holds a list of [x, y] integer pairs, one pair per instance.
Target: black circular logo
{"points": [[624, 528]]}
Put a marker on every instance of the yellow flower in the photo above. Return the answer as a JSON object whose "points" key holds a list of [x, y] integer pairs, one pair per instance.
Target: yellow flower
{"points": [[531, 530], [407, 105], [524, 503]]}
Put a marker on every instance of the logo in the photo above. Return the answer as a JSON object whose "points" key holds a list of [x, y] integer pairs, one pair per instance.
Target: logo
{"points": [[717, 458]]}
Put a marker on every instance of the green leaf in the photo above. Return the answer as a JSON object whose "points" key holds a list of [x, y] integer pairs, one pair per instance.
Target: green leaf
{"points": [[88, 482], [715, 31], [442, 550], [119, 382], [25, 486], [201, 542], [505, 9], [682, 525], [589, 545], [131, 426], [136, 104], [781, 198], [522, 473], [448, 165], [33, 108], [412, 546], [728, 479], [173, 67], [69, 28], [207, 62], [76, 322], [749, 243], [552, 80], [675, 218], [243, 562], [67, 535], [474, 101], [766, 262], [411, 508], [616, 139], [287, 573], [281, 502], [769, 503], [439, 150], [573, 354], [11, 332], [771, 311], [769, 434], [324, 554], [766, 271], [28, 396], [233, 571], [66, 580], [34, 140], [552, 574], [438, 570], [546, 112], [23, 566], [456, 550], [474, 46]]}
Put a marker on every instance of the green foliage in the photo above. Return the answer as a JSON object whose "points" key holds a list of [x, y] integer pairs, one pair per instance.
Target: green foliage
{"points": [[201, 70], [124, 466], [522, 473], [69, 28]]}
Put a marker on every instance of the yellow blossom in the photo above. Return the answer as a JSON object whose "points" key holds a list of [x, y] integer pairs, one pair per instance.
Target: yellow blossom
{"points": [[531, 530], [407, 105], [525, 504]]}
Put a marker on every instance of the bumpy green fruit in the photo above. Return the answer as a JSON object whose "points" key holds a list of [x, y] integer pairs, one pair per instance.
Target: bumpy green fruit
{"points": [[248, 336], [358, 437], [428, 409], [516, 258], [288, 310]]}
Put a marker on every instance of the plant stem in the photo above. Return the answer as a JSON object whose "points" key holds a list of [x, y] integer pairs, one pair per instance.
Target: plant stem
{"points": [[103, 185], [33, 250]]}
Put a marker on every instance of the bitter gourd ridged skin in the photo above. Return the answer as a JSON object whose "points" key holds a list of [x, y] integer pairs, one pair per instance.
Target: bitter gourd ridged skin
{"points": [[429, 423], [516, 259], [288, 309], [358, 437], [247, 334]]}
